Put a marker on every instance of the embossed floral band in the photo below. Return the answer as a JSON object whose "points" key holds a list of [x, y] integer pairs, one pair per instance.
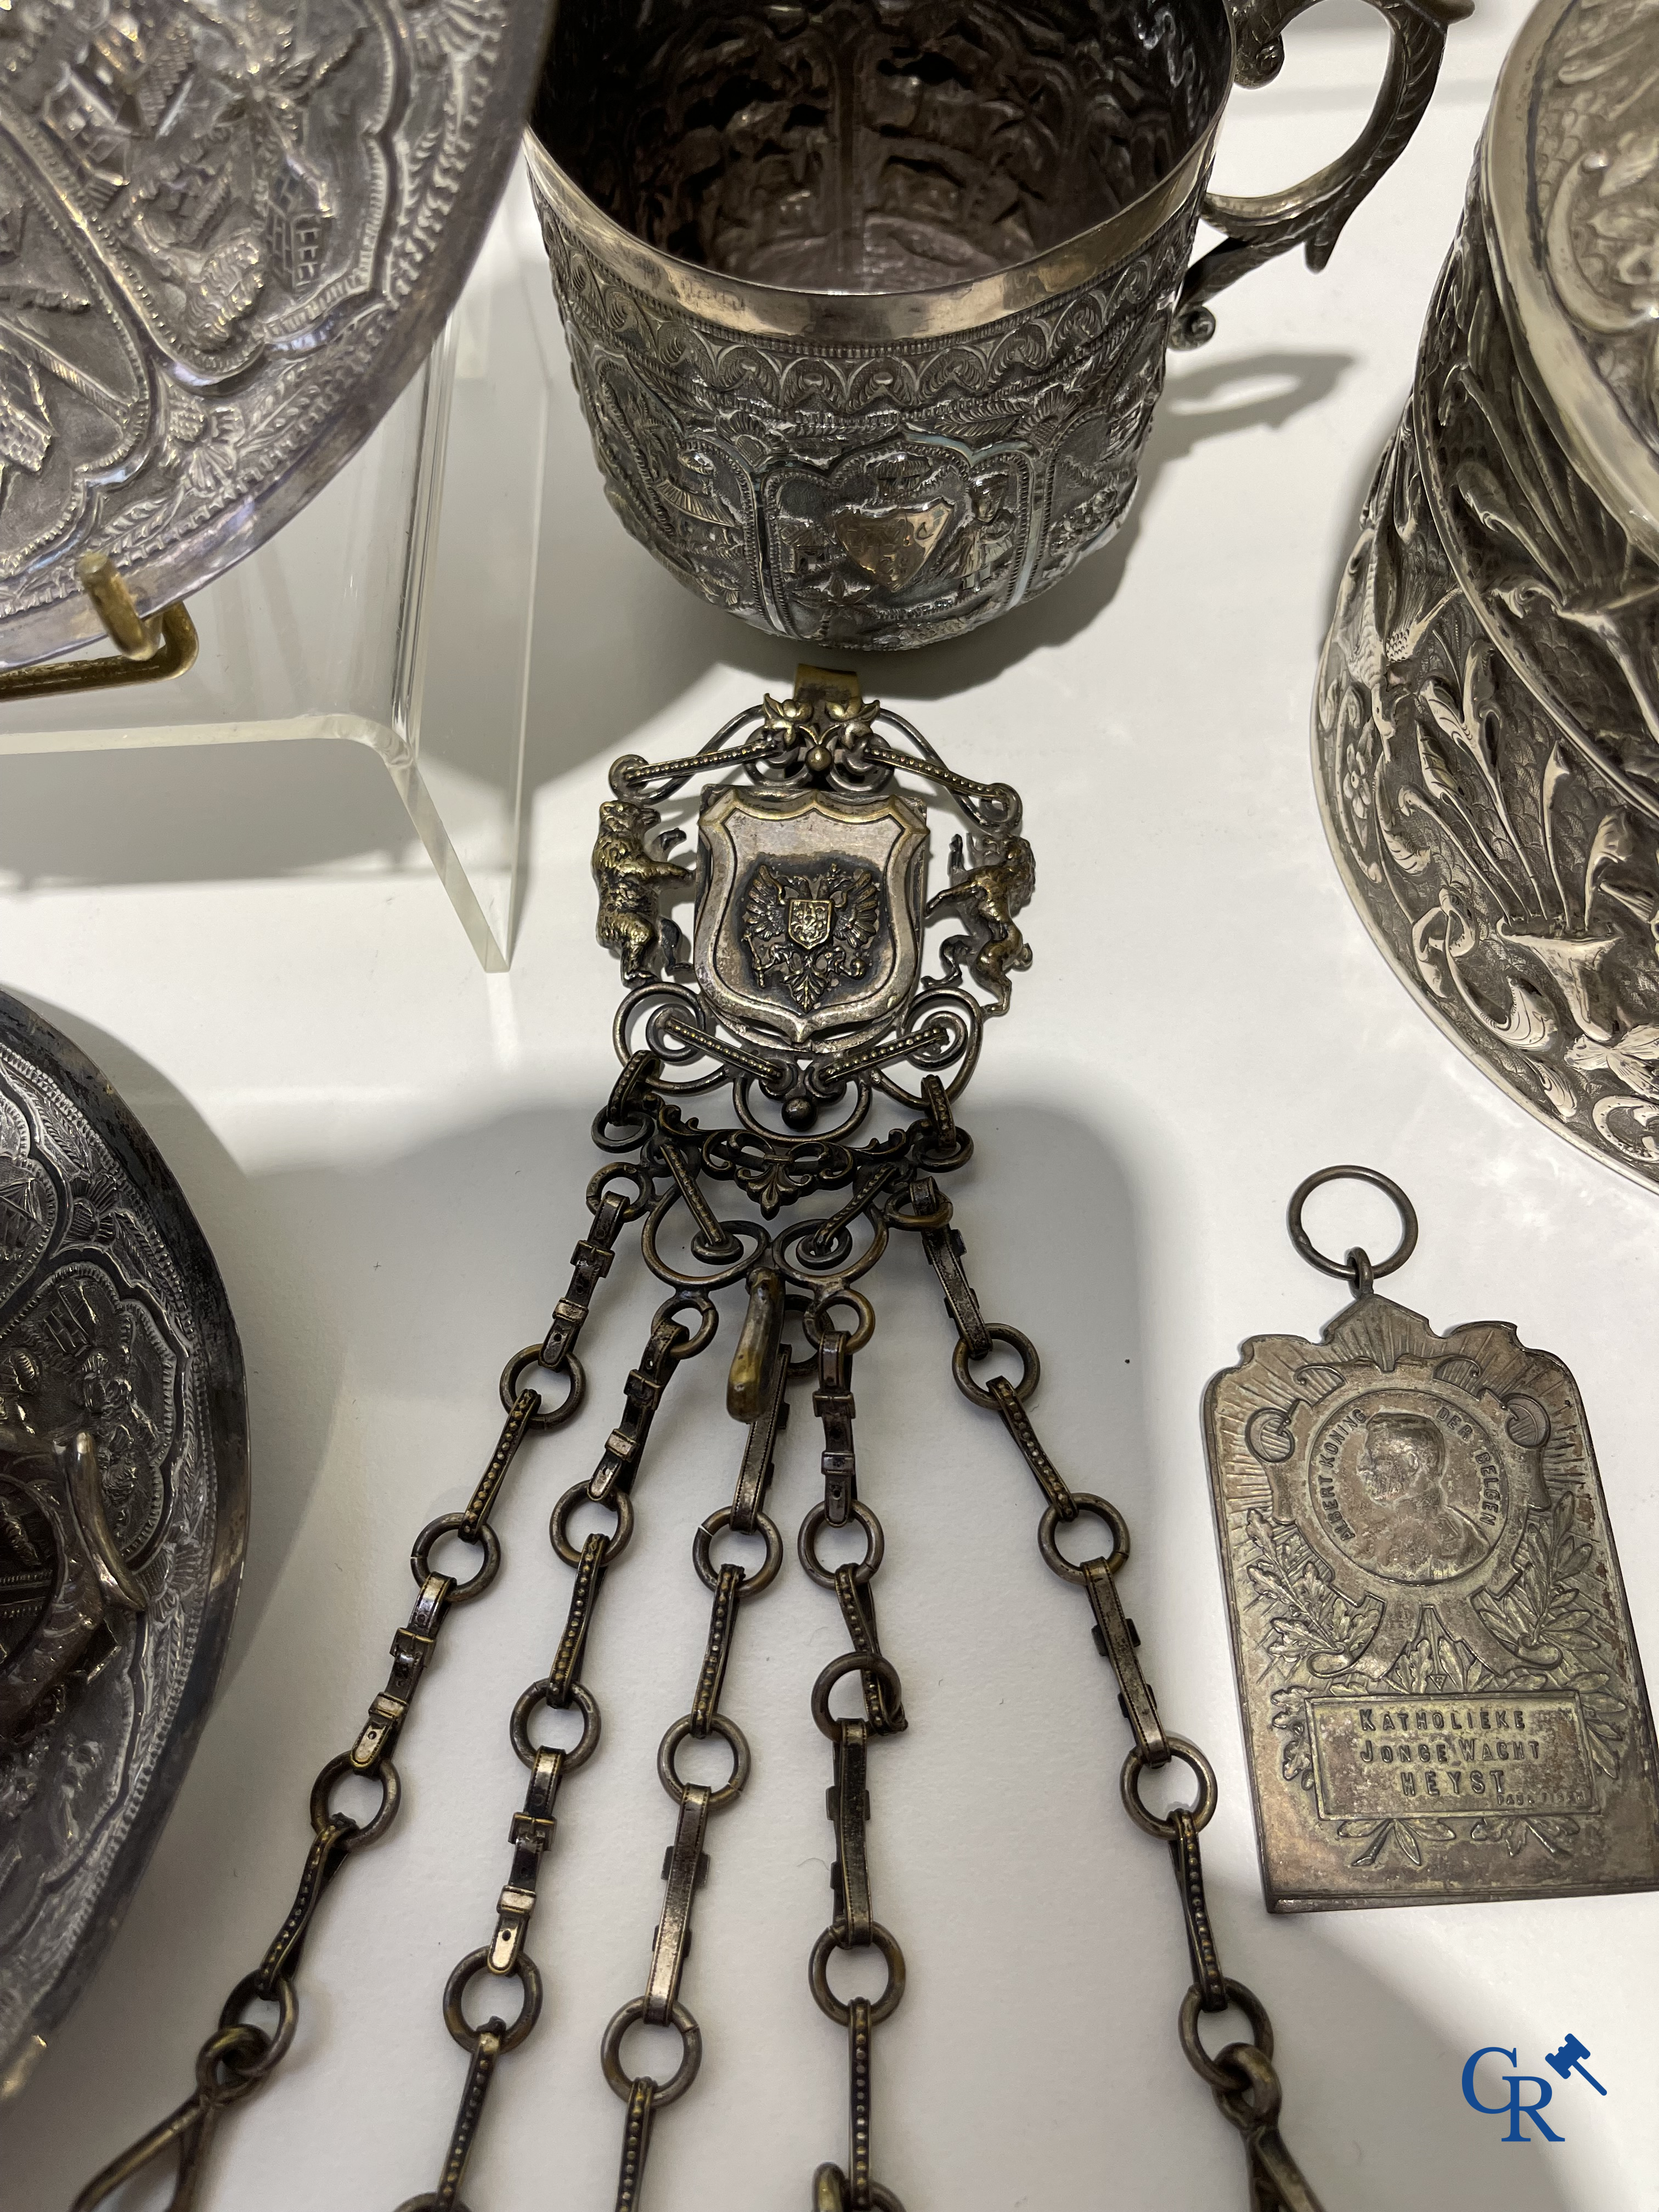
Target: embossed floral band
{"points": [[1486, 722], [868, 305]]}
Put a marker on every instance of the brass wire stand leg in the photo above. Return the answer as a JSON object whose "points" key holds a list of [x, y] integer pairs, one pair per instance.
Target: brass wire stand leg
{"points": [[147, 650]]}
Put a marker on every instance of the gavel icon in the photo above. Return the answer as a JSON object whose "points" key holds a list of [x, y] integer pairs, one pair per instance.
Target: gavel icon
{"points": [[1569, 2059]]}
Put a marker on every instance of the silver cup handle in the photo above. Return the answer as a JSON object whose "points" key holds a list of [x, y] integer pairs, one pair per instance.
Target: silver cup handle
{"points": [[1312, 213]]}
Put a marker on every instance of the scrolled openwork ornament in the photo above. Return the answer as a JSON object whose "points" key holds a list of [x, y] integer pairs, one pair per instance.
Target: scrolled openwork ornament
{"points": [[802, 983], [801, 989]]}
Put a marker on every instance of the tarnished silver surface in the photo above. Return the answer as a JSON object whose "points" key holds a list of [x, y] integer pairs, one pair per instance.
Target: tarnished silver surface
{"points": [[1441, 1694], [229, 234], [868, 304], [809, 925], [1573, 183], [1486, 720], [122, 1514], [804, 981]]}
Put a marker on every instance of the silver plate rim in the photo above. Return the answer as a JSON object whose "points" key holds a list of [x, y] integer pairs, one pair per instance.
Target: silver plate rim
{"points": [[42, 632]]}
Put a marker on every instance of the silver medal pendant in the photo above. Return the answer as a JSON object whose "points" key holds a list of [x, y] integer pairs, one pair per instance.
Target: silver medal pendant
{"points": [[1441, 1694]]}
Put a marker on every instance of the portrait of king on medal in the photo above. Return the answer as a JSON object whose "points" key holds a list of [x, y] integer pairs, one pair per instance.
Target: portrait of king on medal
{"points": [[808, 912]]}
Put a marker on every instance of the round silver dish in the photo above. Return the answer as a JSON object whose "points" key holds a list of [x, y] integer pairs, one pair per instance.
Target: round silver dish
{"points": [[1486, 720], [868, 300], [228, 236], [118, 1356]]}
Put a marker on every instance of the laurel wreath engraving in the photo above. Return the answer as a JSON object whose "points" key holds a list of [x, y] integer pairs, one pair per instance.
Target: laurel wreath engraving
{"points": [[1542, 1618]]}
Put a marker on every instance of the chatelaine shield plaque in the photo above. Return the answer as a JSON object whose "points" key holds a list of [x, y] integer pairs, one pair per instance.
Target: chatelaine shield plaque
{"points": [[808, 912], [1441, 1694]]}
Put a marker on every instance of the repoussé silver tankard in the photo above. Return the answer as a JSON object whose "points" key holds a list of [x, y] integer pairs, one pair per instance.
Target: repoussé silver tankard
{"points": [[868, 303], [1486, 717]]}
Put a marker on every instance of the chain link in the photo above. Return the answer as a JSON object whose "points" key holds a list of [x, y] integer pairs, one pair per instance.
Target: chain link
{"points": [[1241, 2076], [833, 1403], [685, 1863], [854, 1926], [809, 1269], [532, 1832], [239, 2056]]}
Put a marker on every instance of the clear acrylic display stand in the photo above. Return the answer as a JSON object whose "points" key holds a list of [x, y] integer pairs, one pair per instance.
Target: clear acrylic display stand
{"points": [[395, 610]]}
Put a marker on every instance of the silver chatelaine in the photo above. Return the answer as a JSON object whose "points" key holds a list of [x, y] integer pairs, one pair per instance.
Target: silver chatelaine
{"points": [[804, 995]]}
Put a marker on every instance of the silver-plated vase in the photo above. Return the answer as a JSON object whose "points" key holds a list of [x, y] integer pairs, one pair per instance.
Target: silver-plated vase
{"points": [[1486, 720], [868, 300]]}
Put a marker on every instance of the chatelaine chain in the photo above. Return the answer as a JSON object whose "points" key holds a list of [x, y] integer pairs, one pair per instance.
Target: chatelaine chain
{"points": [[1241, 2074], [685, 1864], [803, 991], [506, 1957], [240, 2056], [762, 1369]]}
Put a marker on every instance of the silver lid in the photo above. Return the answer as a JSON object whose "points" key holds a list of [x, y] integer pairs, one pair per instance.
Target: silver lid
{"points": [[1571, 180]]}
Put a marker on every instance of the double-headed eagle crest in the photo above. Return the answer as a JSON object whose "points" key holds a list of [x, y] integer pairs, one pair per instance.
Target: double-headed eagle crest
{"points": [[810, 933]]}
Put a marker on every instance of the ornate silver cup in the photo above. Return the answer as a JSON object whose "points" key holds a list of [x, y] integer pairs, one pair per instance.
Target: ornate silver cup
{"points": [[867, 300], [1486, 721]]}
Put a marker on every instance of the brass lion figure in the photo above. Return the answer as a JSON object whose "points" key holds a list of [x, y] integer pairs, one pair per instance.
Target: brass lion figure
{"points": [[988, 897], [630, 875]]}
